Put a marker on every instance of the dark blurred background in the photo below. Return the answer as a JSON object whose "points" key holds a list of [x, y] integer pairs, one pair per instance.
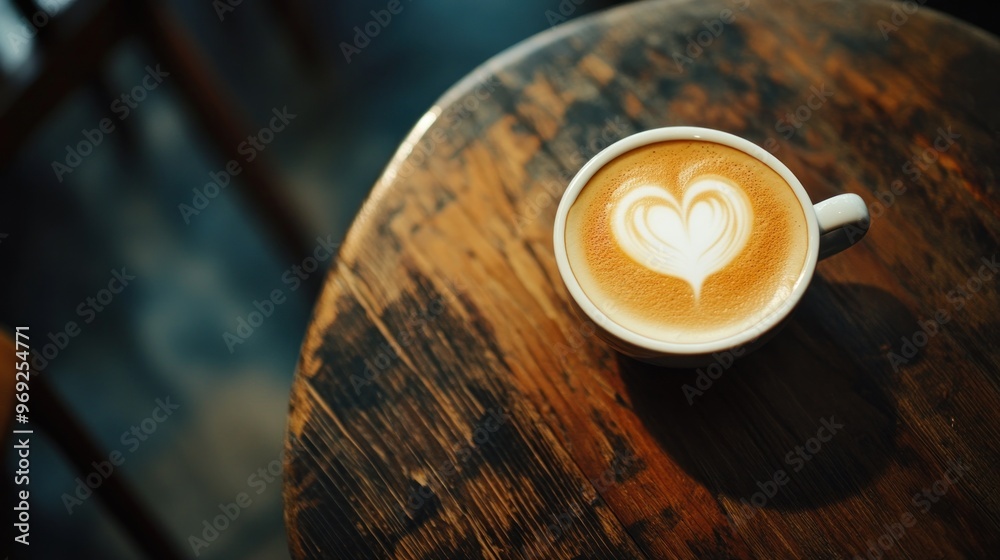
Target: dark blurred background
{"points": [[114, 115]]}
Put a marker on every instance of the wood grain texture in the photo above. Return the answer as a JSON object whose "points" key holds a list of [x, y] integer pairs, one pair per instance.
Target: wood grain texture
{"points": [[448, 404]]}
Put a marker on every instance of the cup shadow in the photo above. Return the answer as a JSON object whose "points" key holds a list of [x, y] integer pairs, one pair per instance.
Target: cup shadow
{"points": [[766, 429]]}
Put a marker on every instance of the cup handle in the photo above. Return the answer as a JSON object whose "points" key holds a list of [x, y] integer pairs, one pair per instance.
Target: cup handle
{"points": [[843, 221]]}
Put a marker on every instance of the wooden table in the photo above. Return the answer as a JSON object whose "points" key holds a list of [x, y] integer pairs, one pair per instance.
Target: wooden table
{"points": [[448, 404]]}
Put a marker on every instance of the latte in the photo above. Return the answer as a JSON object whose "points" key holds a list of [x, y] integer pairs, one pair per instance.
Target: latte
{"points": [[686, 240]]}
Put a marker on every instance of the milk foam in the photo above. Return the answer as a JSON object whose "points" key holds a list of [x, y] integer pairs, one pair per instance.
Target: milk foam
{"points": [[687, 241], [691, 239]]}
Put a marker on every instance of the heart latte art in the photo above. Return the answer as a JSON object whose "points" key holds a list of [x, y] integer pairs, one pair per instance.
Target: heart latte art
{"points": [[689, 239], [686, 240]]}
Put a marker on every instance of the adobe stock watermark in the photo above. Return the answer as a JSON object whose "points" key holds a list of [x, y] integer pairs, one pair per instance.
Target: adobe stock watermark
{"points": [[224, 7], [438, 136], [213, 526], [708, 375], [721, 362], [913, 168], [363, 34], [563, 521], [482, 433], [922, 502], [486, 84], [249, 149], [928, 328], [292, 279], [29, 26], [576, 339], [794, 120], [901, 12], [704, 38], [122, 107], [88, 309], [386, 356], [574, 157], [566, 10], [131, 440], [796, 459]]}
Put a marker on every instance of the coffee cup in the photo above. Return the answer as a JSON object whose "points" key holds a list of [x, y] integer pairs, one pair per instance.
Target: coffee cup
{"points": [[682, 243]]}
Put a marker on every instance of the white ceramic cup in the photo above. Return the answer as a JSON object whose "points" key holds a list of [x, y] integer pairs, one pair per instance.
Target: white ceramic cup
{"points": [[832, 225]]}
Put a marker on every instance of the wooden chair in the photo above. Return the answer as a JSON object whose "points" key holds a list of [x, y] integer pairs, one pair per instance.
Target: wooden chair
{"points": [[56, 421], [72, 49]]}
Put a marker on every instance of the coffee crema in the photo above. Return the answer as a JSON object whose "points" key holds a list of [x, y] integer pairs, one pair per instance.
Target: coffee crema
{"points": [[686, 240]]}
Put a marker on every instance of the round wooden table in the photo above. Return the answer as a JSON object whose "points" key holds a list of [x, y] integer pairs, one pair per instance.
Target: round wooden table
{"points": [[448, 404]]}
